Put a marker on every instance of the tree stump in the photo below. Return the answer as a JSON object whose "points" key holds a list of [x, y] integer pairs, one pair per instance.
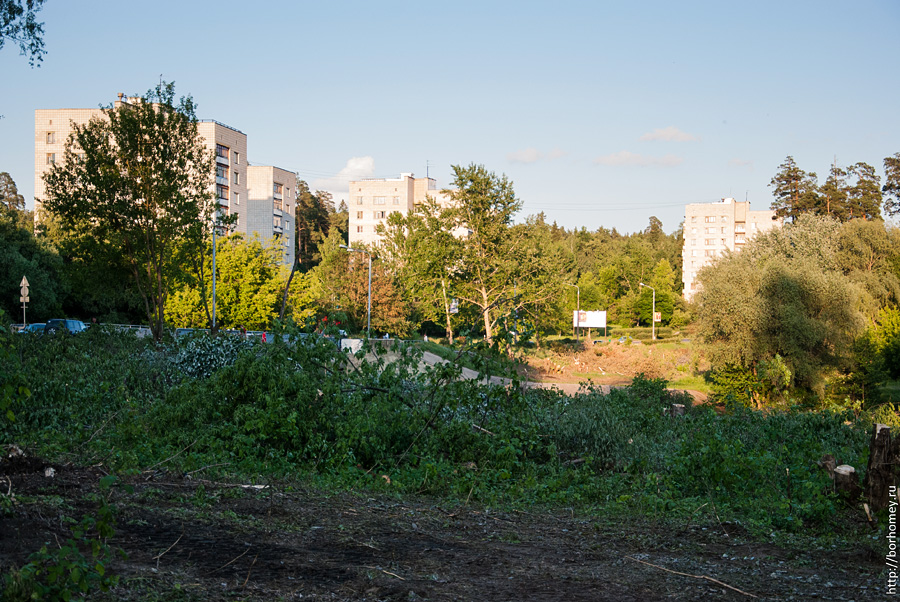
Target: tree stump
{"points": [[846, 481], [880, 470]]}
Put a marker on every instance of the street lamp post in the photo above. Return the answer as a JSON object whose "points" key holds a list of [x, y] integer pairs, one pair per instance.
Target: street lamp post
{"points": [[369, 311], [578, 310], [653, 311]]}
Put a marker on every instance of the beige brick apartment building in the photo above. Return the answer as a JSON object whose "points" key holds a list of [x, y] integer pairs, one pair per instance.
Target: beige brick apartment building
{"points": [[370, 202], [711, 229], [258, 208]]}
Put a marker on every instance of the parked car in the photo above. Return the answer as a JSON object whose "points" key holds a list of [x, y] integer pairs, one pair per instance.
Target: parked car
{"points": [[60, 325], [36, 328]]}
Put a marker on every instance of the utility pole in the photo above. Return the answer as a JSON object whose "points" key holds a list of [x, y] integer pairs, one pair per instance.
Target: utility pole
{"points": [[653, 312]]}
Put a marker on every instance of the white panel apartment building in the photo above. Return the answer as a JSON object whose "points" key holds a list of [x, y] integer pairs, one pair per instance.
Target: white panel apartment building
{"points": [[234, 190], [271, 207], [711, 229], [372, 200]]}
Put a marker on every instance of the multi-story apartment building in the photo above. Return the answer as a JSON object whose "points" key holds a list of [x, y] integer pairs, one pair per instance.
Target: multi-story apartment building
{"points": [[711, 229], [372, 200], [235, 193], [271, 206]]}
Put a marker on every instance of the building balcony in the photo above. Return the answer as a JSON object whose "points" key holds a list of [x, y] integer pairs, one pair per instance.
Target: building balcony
{"points": [[279, 206], [278, 196], [222, 160], [277, 229], [222, 201], [221, 180]]}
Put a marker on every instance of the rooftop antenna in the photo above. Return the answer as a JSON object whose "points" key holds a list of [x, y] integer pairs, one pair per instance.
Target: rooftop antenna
{"points": [[427, 168]]}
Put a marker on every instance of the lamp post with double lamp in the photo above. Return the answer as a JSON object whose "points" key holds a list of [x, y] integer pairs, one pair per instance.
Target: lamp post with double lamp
{"points": [[369, 311], [653, 312], [578, 310]]}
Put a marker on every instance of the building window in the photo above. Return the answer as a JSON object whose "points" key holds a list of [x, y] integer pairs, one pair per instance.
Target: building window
{"points": [[359, 200], [710, 219], [396, 200], [693, 242], [693, 252], [359, 215], [277, 188], [222, 192], [724, 230], [237, 178], [51, 158], [724, 218], [693, 219], [237, 198], [710, 253], [51, 137], [222, 172], [379, 215], [237, 158], [710, 242], [754, 226], [222, 151], [359, 228], [276, 222], [379, 200], [693, 230], [710, 230]]}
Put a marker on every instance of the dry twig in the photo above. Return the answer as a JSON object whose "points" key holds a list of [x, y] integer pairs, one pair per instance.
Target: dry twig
{"points": [[716, 581], [156, 558], [171, 457], [231, 561]]}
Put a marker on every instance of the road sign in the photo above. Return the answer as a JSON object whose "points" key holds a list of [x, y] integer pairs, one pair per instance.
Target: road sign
{"points": [[24, 300], [657, 317], [23, 286]]}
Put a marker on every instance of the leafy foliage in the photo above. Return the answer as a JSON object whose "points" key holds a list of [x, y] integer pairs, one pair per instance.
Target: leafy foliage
{"points": [[138, 180]]}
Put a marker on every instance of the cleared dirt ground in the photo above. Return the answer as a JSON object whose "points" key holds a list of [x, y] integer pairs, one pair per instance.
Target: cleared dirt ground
{"points": [[190, 539]]}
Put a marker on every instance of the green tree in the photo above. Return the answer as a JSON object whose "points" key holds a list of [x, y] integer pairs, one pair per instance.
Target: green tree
{"points": [[784, 300], [795, 191], [12, 204], [834, 192], [21, 254], [891, 189], [139, 180], [864, 194], [19, 25], [313, 220], [249, 280]]}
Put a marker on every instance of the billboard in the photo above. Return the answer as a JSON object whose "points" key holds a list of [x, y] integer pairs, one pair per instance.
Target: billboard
{"points": [[589, 319]]}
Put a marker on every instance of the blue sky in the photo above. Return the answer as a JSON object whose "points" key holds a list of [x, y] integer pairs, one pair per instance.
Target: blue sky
{"points": [[601, 113]]}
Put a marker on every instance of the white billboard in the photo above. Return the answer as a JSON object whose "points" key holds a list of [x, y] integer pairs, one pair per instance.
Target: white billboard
{"points": [[589, 319]]}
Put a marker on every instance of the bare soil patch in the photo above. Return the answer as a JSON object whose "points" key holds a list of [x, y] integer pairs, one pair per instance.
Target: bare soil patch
{"points": [[191, 539]]}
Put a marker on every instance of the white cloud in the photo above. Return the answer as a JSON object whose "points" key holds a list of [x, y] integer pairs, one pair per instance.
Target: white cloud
{"points": [[629, 159], [528, 155], [532, 155], [556, 153], [357, 168], [669, 134]]}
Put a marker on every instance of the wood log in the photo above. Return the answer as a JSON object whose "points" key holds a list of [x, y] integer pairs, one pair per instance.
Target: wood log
{"points": [[880, 470]]}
